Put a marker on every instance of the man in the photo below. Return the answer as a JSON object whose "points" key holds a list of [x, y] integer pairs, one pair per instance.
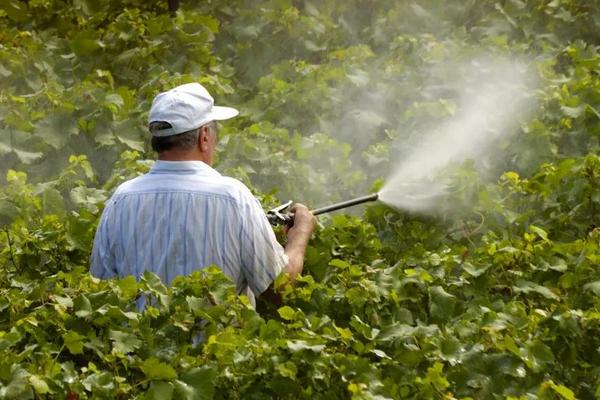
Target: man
{"points": [[183, 215]]}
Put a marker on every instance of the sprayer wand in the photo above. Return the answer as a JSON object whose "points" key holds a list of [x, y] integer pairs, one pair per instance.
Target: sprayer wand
{"points": [[280, 216]]}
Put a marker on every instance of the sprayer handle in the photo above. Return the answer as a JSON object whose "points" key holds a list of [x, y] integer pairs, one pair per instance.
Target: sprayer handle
{"points": [[286, 219], [279, 216]]}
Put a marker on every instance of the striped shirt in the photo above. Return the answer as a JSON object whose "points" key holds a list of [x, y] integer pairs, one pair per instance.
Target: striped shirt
{"points": [[183, 216]]}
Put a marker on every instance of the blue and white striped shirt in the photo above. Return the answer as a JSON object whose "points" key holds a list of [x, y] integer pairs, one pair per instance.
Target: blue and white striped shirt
{"points": [[183, 216]]}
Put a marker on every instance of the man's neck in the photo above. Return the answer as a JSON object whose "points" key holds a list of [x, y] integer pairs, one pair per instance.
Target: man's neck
{"points": [[176, 155]]}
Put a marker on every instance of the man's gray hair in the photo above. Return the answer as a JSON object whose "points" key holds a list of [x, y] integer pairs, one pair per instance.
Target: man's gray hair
{"points": [[183, 141]]}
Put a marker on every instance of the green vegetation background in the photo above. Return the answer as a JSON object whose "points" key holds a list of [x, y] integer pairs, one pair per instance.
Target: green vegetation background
{"points": [[498, 299]]}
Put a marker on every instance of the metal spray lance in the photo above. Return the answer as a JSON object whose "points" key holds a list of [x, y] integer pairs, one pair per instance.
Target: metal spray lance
{"points": [[280, 216]]}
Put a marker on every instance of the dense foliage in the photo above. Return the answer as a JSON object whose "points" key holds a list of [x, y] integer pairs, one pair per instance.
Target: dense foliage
{"points": [[497, 299]]}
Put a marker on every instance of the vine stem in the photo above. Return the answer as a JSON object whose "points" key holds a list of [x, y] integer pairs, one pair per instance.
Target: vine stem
{"points": [[59, 351], [10, 249]]}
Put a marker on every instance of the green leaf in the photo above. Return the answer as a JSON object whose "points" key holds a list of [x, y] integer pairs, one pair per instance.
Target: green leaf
{"points": [[39, 384], [9, 339], [85, 43], [287, 313], [537, 355], [124, 342], [511, 346], [396, 331], [18, 386], [184, 391], [339, 263], [74, 342], [420, 12], [381, 354], [153, 282], [473, 270], [287, 369], [563, 391], [202, 380], [114, 99], [526, 287], [345, 333], [4, 72], [540, 232], [53, 202], [16, 10], [160, 391], [299, 345], [8, 211], [102, 382], [441, 303], [435, 376], [156, 370], [56, 129], [27, 157], [593, 287], [88, 197], [82, 306], [128, 287], [66, 302], [573, 112]]}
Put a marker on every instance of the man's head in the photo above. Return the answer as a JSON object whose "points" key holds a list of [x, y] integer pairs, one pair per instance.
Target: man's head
{"points": [[183, 123], [196, 144]]}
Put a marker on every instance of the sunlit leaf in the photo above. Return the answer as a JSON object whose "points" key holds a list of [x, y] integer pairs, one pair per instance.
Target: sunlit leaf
{"points": [[156, 370]]}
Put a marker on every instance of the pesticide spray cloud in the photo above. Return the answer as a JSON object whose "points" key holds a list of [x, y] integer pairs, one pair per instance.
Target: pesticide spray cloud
{"points": [[495, 96]]}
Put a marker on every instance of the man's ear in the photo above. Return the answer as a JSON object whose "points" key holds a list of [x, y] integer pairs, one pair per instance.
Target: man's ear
{"points": [[203, 142]]}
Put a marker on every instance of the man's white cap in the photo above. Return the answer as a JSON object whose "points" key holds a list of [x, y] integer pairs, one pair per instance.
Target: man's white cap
{"points": [[186, 107]]}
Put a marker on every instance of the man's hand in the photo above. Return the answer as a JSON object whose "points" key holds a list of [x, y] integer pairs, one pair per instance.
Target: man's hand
{"points": [[297, 240], [304, 221], [298, 236]]}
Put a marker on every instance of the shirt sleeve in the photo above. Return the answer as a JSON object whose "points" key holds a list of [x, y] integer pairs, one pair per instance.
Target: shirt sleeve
{"points": [[262, 257], [101, 262]]}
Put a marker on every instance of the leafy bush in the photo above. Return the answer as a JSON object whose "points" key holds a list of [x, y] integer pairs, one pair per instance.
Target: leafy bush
{"points": [[494, 297]]}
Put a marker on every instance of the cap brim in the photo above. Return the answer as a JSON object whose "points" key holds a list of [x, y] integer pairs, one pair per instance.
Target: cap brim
{"points": [[219, 113]]}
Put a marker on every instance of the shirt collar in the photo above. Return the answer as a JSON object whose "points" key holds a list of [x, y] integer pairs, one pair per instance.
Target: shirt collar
{"points": [[182, 168]]}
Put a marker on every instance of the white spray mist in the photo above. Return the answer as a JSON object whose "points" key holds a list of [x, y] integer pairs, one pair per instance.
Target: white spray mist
{"points": [[496, 96]]}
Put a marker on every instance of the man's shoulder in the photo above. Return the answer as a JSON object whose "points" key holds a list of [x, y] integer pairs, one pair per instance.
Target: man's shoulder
{"points": [[216, 185], [235, 188], [128, 185]]}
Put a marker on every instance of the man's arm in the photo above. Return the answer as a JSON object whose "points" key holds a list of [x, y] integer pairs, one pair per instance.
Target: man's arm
{"points": [[100, 267], [297, 239], [261, 256]]}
